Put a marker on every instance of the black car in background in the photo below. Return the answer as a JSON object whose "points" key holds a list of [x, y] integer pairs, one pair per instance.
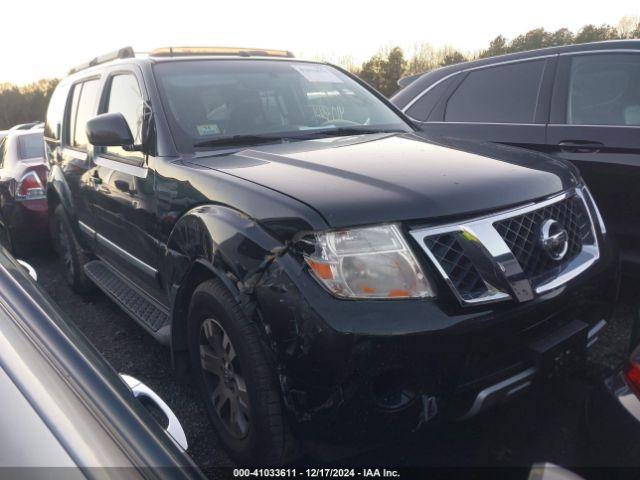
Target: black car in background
{"points": [[23, 201], [579, 103], [324, 271], [63, 405]]}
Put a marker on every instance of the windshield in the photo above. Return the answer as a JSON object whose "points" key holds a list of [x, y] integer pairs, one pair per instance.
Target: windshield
{"points": [[207, 100]]}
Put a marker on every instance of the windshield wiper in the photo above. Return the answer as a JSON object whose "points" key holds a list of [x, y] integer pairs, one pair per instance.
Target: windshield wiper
{"points": [[244, 140], [346, 131], [234, 140]]}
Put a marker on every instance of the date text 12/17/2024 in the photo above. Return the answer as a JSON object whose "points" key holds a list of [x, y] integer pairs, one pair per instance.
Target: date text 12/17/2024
{"points": [[315, 473]]}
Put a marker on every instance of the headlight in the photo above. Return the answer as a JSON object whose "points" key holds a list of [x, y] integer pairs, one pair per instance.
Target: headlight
{"points": [[372, 262]]}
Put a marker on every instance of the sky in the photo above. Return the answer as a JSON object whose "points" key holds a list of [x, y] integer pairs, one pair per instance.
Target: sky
{"points": [[47, 38]]}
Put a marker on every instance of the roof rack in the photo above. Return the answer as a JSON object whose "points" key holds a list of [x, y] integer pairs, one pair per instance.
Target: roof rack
{"points": [[212, 51], [126, 52]]}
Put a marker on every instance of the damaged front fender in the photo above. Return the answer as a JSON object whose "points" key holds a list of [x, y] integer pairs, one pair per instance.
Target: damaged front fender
{"points": [[214, 241], [321, 368]]}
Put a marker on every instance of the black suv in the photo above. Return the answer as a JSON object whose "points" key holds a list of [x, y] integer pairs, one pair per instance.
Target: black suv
{"points": [[315, 263], [579, 103]]}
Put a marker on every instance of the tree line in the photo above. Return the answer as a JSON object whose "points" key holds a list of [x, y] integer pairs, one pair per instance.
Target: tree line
{"points": [[24, 104], [383, 70]]}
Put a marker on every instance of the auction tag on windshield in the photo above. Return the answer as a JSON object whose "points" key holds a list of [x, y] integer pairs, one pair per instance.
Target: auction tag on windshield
{"points": [[317, 73], [208, 129]]}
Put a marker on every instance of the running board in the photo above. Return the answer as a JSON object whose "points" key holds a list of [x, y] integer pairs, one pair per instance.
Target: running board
{"points": [[139, 306]]}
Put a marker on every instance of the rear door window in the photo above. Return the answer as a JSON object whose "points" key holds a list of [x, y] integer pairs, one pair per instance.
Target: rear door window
{"points": [[500, 94], [83, 108], [604, 89]]}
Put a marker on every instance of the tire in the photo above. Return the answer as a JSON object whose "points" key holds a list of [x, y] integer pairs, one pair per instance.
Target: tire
{"points": [[243, 361], [70, 253]]}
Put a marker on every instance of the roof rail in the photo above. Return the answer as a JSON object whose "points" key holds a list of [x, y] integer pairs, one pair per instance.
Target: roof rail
{"points": [[126, 52], [212, 51]]}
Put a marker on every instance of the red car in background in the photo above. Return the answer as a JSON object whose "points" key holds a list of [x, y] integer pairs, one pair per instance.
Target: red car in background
{"points": [[23, 201]]}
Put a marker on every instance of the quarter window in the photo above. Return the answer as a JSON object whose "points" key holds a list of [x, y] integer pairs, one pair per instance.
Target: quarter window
{"points": [[501, 94], [55, 112], [125, 97], [82, 109], [604, 89], [426, 103]]}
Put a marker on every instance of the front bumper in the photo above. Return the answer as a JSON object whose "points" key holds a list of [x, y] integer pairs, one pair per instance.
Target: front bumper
{"points": [[356, 366]]}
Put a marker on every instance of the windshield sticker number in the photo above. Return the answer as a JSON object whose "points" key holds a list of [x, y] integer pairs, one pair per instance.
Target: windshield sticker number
{"points": [[317, 73]]}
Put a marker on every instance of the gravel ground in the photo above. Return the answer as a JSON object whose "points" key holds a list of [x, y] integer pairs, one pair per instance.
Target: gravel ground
{"points": [[542, 426]]}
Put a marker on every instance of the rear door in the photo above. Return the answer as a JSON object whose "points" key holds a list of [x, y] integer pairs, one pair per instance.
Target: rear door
{"points": [[595, 123], [74, 155], [505, 103]]}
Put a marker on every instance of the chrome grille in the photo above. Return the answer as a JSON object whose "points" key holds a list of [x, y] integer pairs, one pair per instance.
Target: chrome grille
{"points": [[522, 233], [499, 256], [463, 274]]}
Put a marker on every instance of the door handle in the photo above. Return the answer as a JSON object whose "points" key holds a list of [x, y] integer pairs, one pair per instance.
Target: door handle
{"points": [[95, 180], [174, 429], [580, 146]]}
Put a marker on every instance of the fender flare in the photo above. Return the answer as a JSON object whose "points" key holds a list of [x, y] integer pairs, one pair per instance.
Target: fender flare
{"points": [[57, 185], [213, 241]]}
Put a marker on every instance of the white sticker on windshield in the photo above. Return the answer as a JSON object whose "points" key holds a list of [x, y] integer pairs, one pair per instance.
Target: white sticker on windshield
{"points": [[317, 73], [208, 129]]}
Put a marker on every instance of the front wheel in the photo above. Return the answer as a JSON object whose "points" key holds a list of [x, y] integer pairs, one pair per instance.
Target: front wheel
{"points": [[236, 378]]}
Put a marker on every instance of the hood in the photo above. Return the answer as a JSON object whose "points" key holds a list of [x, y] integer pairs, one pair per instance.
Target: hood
{"points": [[378, 178]]}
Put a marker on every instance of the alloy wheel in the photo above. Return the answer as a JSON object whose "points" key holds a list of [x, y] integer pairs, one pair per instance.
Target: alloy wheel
{"points": [[223, 377]]}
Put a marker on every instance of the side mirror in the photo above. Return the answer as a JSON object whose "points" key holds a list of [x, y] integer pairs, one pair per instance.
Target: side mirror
{"points": [[109, 130], [549, 471]]}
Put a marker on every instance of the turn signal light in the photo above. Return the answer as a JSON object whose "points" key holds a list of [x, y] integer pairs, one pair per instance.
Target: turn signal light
{"points": [[322, 270]]}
